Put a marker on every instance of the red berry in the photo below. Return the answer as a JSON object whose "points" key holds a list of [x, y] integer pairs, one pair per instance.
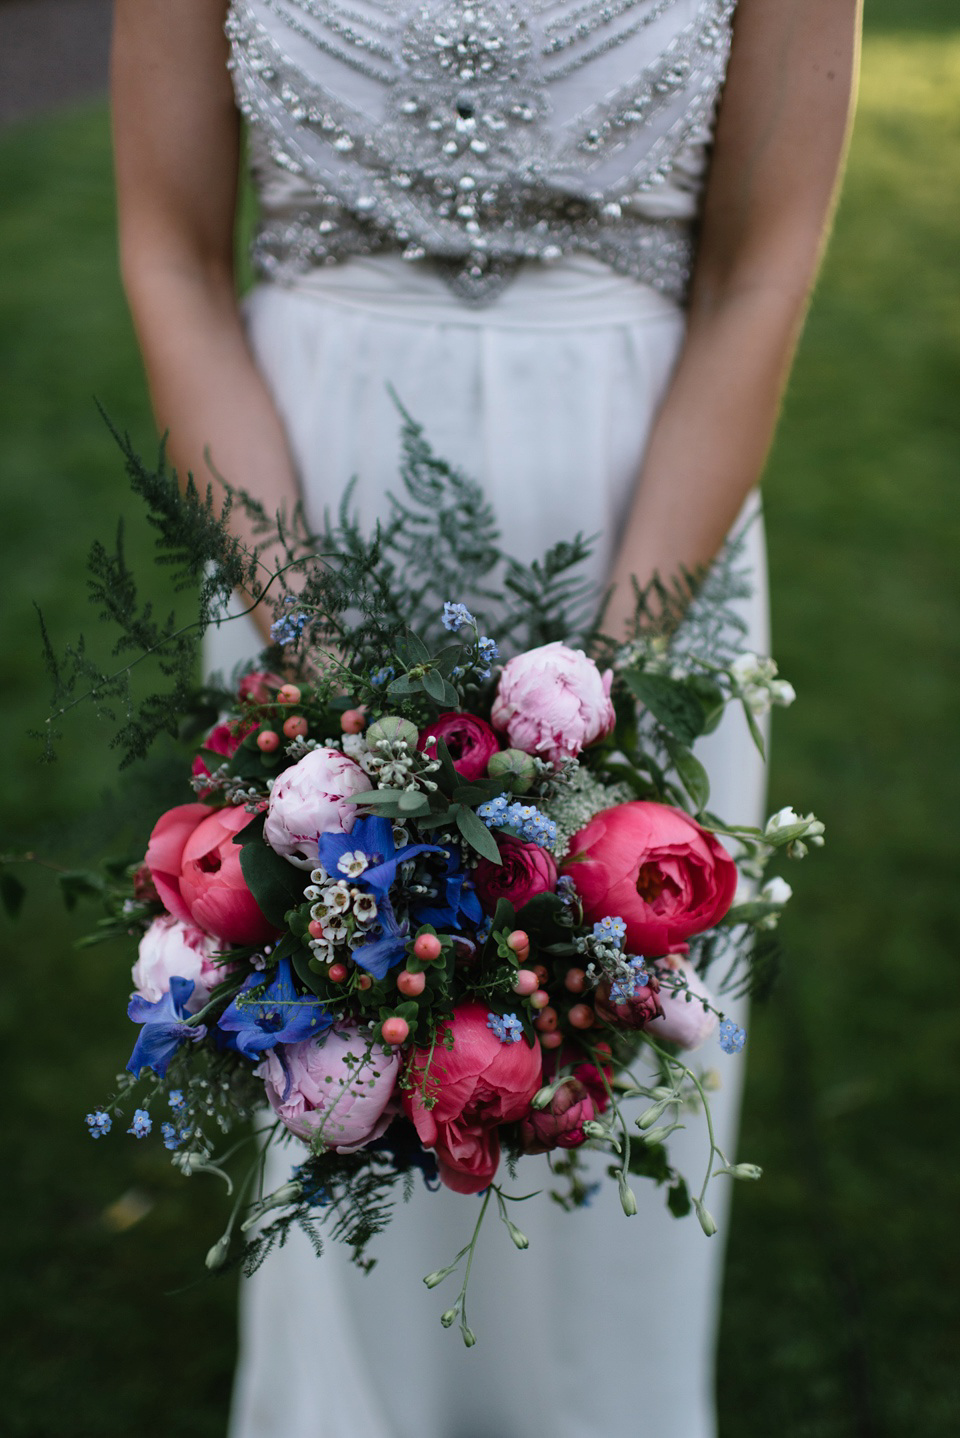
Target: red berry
{"points": [[353, 721], [525, 983], [541, 973], [539, 999], [519, 941], [295, 727], [411, 984], [315, 929], [338, 972], [365, 982], [288, 694], [267, 741], [546, 1021], [395, 1031], [575, 981], [581, 1016], [427, 947], [551, 1040]]}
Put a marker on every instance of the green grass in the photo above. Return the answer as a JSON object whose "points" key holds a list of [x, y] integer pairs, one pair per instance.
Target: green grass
{"points": [[840, 1319]]}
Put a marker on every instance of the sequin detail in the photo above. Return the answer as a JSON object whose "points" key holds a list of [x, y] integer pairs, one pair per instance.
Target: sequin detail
{"points": [[463, 166]]}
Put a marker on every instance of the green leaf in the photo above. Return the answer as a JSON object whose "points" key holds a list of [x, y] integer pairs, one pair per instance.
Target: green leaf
{"points": [[79, 884], [411, 646], [406, 684], [754, 728], [413, 802], [711, 696], [447, 660], [276, 885], [316, 983], [751, 911], [450, 696], [477, 835], [693, 776], [12, 894], [678, 1198], [435, 685], [671, 702]]}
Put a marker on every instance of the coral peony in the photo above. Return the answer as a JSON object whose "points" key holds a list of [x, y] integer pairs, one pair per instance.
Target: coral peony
{"points": [[560, 1125], [657, 869], [259, 687], [471, 742], [553, 701], [525, 870], [312, 798], [195, 866], [333, 1085], [477, 1084], [172, 949]]}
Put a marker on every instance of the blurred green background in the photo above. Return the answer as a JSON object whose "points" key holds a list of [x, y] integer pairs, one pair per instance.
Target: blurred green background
{"points": [[844, 1263]]}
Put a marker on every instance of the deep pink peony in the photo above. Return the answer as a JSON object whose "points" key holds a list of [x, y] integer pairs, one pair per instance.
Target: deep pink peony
{"points": [[196, 868], [633, 1013], [655, 868], [525, 871], [331, 1085], [312, 798], [172, 949], [478, 1084], [259, 687], [553, 701], [684, 1020], [471, 742], [561, 1124], [223, 739]]}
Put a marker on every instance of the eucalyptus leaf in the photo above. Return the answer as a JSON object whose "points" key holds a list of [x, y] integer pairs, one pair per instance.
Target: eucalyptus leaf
{"points": [[435, 685], [693, 776], [477, 835], [276, 885], [671, 702]]}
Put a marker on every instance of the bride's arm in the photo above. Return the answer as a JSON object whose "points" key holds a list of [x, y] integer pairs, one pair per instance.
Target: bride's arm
{"points": [[781, 138], [176, 138]]}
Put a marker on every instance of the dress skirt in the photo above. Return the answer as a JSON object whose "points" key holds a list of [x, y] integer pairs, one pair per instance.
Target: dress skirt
{"points": [[605, 1326]]}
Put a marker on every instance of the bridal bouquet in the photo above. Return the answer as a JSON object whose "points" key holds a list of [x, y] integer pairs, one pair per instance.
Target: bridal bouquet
{"points": [[447, 889]]}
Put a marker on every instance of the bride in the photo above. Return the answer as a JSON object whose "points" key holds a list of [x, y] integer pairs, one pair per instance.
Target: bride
{"points": [[577, 237]]}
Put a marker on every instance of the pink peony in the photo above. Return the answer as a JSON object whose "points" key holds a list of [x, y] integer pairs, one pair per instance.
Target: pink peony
{"points": [[525, 870], [196, 868], [553, 701], [477, 1085], [471, 742], [684, 1020], [312, 798], [172, 949], [334, 1085], [561, 1124], [655, 868]]}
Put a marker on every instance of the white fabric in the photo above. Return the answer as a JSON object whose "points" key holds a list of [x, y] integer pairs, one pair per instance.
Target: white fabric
{"points": [[605, 1327]]}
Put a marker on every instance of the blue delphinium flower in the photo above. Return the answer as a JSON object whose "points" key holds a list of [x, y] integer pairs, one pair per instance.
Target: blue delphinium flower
{"points": [[141, 1125], [288, 628], [383, 676], [263, 1015], [373, 837], [164, 1029], [172, 1136], [455, 616], [732, 1037], [99, 1123], [487, 651], [507, 1027], [176, 1100]]}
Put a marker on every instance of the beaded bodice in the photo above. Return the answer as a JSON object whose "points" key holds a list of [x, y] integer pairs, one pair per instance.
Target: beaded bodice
{"points": [[476, 134]]}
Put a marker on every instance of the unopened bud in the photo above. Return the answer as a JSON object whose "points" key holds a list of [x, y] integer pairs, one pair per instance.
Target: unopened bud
{"points": [[628, 1199], [650, 1115], [745, 1170], [449, 1318], [515, 768], [469, 1337], [707, 1221], [592, 1129], [432, 1279], [217, 1256]]}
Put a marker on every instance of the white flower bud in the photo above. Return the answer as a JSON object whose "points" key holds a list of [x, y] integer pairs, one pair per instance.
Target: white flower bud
{"points": [[776, 891], [449, 1318], [707, 1221], [217, 1255], [628, 1199]]}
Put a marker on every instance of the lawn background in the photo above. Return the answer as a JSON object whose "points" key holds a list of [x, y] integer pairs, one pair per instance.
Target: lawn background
{"points": [[841, 1316]]}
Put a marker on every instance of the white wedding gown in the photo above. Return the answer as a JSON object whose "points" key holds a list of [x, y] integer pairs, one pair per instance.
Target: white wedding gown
{"points": [[541, 379]]}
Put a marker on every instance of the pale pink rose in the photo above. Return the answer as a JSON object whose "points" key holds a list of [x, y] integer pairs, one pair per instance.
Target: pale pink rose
{"points": [[334, 1085], [684, 1020], [173, 949], [309, 799], [553, 701]]}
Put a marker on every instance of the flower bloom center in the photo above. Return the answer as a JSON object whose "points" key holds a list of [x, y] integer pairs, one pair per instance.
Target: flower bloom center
{"points": [[650, 883]]}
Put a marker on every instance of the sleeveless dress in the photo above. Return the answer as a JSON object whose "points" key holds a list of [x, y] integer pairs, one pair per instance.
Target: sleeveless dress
{"points": [[490, 206]]}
